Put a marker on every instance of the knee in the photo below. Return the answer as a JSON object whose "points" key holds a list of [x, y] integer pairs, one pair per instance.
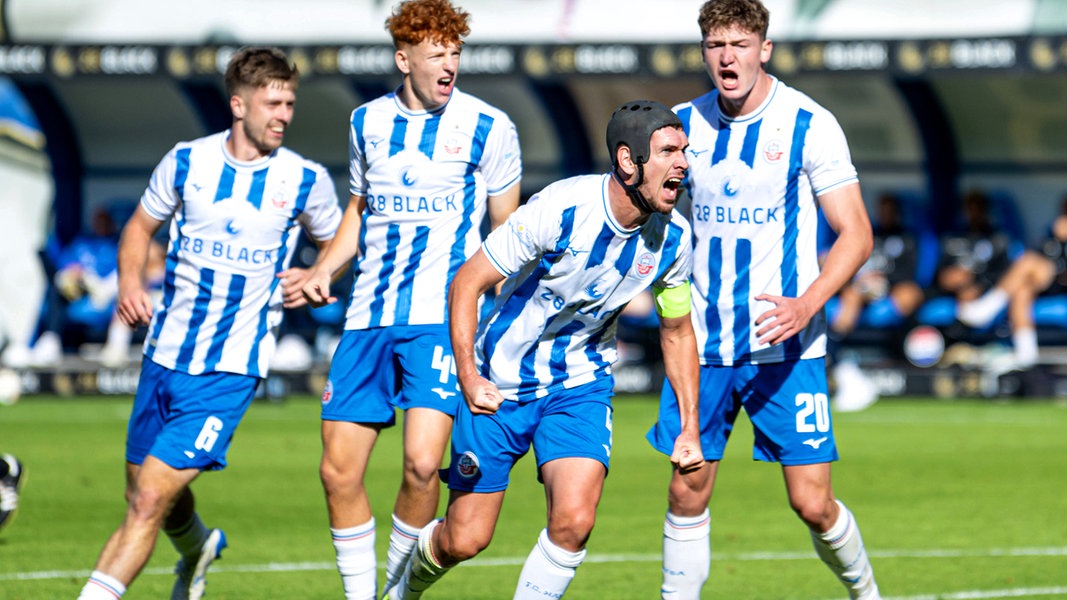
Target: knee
{"points": [[818, 513], [336, 477], [688, 495], [147, 504], [457, 546], [421, 471], [571, 531]]}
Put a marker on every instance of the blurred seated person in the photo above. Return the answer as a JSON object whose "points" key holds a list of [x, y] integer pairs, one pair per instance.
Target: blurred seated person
{"points": [[1055, 249], [985, 274], [888, 273], [81, 298]]}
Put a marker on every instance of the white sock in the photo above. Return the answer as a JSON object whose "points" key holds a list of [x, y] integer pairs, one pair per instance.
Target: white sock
{"points": [[423, 569], [686, 555], [355, 560], [981, 312], [1024, 340], [548, 571], [401, 543], [842, 550], [102, 587], [189, 538]]}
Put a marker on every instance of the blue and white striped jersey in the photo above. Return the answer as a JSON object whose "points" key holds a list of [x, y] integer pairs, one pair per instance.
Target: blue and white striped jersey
{"points": [[571, 269], [426, 177], [753, 181], [234, 228]]}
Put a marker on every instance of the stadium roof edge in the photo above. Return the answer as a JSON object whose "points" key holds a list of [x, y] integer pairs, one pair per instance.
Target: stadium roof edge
{"points": [[507, 21]]}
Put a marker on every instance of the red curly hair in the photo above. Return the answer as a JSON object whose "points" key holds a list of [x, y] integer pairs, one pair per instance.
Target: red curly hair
{"points": [[436, 20]]}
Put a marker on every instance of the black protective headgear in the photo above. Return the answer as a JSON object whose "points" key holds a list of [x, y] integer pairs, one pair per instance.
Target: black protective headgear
{"points": [[633, 123]]}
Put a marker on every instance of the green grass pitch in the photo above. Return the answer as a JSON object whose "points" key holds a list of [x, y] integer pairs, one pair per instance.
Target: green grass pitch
{"points": [[956, 500]]}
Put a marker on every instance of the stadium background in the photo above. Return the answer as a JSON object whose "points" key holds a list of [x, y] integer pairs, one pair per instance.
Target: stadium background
{"points": [[936, 97]]}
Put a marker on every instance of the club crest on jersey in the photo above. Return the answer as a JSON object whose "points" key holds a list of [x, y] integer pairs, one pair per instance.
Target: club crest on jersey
{"points": [[327, 393], [646, 263], [467, 465], [453, 144], [280, 199], [772, 152]]}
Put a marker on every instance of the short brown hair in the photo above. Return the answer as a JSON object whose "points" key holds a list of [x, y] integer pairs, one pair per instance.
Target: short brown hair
{"points": [[749, 15], [413, 21], [254, 67]]}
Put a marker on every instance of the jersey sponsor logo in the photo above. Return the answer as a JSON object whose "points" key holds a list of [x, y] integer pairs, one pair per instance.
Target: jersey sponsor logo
{"points": [[575, 251], [697, 153], [407, 178], [468, 465], [730, 188], [232, 228], [646, 263], [773, 152], [374, 141], [413, 204], [227, 252], [327, 393], [593, 290]]}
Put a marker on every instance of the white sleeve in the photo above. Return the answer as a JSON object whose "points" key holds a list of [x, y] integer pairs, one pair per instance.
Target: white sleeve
{"points": [[527, 234], [322, 213], [680, 271], [160, 199], [357, 162], [826, 158], [501, 162]]}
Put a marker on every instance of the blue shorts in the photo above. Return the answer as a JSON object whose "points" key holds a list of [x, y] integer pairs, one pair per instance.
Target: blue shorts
{"points": [[570, 423], [186, 421], [787, 403], [376, 371]]}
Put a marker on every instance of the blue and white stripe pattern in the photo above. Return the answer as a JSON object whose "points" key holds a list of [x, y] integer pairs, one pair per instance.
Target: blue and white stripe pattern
{"points": [[426, 177], [754, 181], [571, 270], [234, 228]]}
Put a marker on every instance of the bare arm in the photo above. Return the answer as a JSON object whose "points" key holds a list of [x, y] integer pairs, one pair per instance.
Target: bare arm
{"points": [[847, 216], [134, 304], [502, 205], [335, 255], [471, 281], [678, 342]]}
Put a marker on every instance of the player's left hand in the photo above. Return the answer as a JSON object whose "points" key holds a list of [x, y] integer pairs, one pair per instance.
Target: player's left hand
{"points": [[788, 318], [687, 454], [293, 280]]}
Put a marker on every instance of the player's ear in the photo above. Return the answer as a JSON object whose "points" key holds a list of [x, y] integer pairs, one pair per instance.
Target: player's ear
{"points": [[237, 106], [403, 62], [765, 51], [625, 161]]}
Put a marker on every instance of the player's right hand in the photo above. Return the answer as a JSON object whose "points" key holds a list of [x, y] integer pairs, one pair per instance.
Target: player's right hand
{"points": [[134, 307], [482, 396], [316, 289]]}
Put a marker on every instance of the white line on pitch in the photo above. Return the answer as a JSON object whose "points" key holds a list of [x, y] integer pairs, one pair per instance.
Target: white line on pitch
{"points": [[639, 558]]}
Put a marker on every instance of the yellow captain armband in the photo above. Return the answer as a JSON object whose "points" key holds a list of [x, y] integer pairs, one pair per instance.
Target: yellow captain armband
{"points": [[672, 302]]}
